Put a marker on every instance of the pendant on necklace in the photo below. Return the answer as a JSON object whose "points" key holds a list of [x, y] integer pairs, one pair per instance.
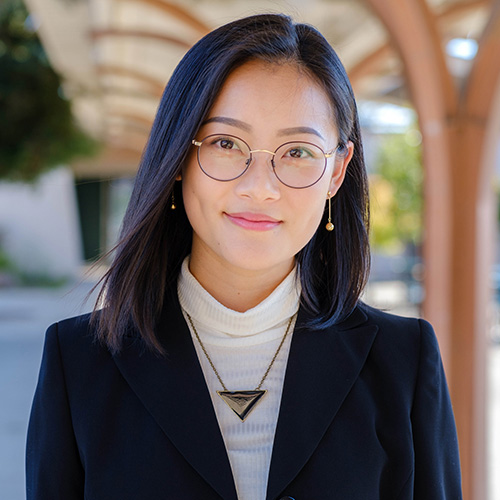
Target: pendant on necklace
{"points": [[242, 402]]}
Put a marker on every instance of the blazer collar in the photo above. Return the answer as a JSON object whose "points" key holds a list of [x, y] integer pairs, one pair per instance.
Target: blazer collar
{"points": [[322, 367], [174, 391]]}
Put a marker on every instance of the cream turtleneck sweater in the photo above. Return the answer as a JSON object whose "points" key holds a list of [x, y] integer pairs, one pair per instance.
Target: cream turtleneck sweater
{"points": [[241, 346]]}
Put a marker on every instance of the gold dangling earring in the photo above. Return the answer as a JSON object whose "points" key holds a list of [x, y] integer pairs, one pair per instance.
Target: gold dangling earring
{"points": [[173, 206], [329, 225]]}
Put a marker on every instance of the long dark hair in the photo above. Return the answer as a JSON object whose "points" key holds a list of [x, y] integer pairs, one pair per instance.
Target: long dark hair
{"points": [[154, 239]]}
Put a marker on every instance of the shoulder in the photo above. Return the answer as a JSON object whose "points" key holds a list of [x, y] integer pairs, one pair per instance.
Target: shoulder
{"points": [[74, 326], [73, 353], [72, 329], [398, 326], [404, 338], [73, 337], [386, 319]]}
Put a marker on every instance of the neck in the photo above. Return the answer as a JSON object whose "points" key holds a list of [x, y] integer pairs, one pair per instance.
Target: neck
{"points": [[235, 288]]}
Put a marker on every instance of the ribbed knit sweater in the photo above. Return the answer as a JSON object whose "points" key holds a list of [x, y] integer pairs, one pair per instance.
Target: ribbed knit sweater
{"points": [[241, 346]]}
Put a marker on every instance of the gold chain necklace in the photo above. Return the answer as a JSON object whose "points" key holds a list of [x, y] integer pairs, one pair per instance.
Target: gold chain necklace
{"points": [[241, 402]]}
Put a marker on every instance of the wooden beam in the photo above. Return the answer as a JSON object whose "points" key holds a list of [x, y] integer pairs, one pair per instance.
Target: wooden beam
{"points": [[144, 34], [475, 146], [113, 162], [371, 64], [177, 12], [109, 89], [413, 34], [460, 134], [143, 121], [155, 84], [374, 61]]}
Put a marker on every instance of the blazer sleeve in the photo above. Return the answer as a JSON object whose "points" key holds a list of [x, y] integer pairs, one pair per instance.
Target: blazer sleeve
{"points": [[437, 465], [53, 467]]}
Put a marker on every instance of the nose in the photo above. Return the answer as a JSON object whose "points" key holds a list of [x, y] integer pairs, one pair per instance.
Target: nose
{"points": [[259, 182]]}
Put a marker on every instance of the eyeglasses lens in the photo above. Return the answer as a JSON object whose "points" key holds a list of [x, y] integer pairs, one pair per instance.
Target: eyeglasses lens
{"points": [[223, 157], [296, 164], [299, 164]]}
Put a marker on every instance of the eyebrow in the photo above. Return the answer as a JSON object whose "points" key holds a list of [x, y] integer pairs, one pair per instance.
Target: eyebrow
{"points": [[299, 130], [229, 121], [233, 122]]}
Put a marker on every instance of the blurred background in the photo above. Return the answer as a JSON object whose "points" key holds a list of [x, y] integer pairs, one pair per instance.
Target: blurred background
{"points": [[80, 81]]}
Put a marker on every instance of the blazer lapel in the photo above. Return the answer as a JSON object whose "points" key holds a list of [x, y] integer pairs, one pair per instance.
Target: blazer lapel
{"points": [[322, 367], [174, 391]]}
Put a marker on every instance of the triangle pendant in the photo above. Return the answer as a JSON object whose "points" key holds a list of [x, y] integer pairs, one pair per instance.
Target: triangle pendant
{"points": [[241, 402]]}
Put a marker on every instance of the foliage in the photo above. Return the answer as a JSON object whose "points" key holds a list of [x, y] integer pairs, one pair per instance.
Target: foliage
{"points": [[396, 193], [37, 129], [40, 280], [12, 274], [496, 187], [5, 264]]}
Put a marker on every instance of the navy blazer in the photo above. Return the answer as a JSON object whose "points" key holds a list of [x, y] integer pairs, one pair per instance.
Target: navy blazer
{"points": [[365, 415]]}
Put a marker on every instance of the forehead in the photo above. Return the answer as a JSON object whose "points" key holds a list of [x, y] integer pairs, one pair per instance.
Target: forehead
{"points": [[270, 96]]}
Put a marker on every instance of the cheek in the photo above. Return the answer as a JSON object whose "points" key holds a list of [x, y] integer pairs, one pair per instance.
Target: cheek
{"points": [[191, 188], [201, 196], [310, 214]]}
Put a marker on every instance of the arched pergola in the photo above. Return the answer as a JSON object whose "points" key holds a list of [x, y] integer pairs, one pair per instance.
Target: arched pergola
{"points": [[460, 134]]}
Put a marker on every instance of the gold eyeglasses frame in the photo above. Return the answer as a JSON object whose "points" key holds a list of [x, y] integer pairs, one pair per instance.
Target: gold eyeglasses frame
{"points": [[327, 155]]}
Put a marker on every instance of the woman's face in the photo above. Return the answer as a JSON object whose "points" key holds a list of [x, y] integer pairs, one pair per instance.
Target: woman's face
{"points": [[255, 222]]}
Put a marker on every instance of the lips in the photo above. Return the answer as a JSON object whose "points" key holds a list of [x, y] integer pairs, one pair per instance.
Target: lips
{"points": [[253, 221]]}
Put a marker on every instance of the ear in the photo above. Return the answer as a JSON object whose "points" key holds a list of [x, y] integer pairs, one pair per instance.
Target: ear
{"points": [[341, 160]]}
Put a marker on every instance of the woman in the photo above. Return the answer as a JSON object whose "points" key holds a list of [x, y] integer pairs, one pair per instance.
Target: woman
{"points": [[233, 357]]}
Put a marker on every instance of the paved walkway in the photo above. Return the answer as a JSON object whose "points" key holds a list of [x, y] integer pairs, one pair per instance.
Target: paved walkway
{"points": [[24, 316]]}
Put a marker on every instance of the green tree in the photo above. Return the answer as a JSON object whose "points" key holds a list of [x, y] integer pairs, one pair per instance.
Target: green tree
{"points": [[37, 128], [396, 193]]}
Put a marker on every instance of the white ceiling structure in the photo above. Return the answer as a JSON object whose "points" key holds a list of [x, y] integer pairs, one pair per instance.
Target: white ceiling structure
{"points": [[116, 55]]}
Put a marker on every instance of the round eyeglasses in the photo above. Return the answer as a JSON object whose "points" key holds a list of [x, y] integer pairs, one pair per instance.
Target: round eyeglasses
{"points": [[296, 164]]}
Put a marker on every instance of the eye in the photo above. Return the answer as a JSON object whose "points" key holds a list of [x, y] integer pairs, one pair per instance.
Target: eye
{"points": [[300, 152], [296, 152], [226, 143]]}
